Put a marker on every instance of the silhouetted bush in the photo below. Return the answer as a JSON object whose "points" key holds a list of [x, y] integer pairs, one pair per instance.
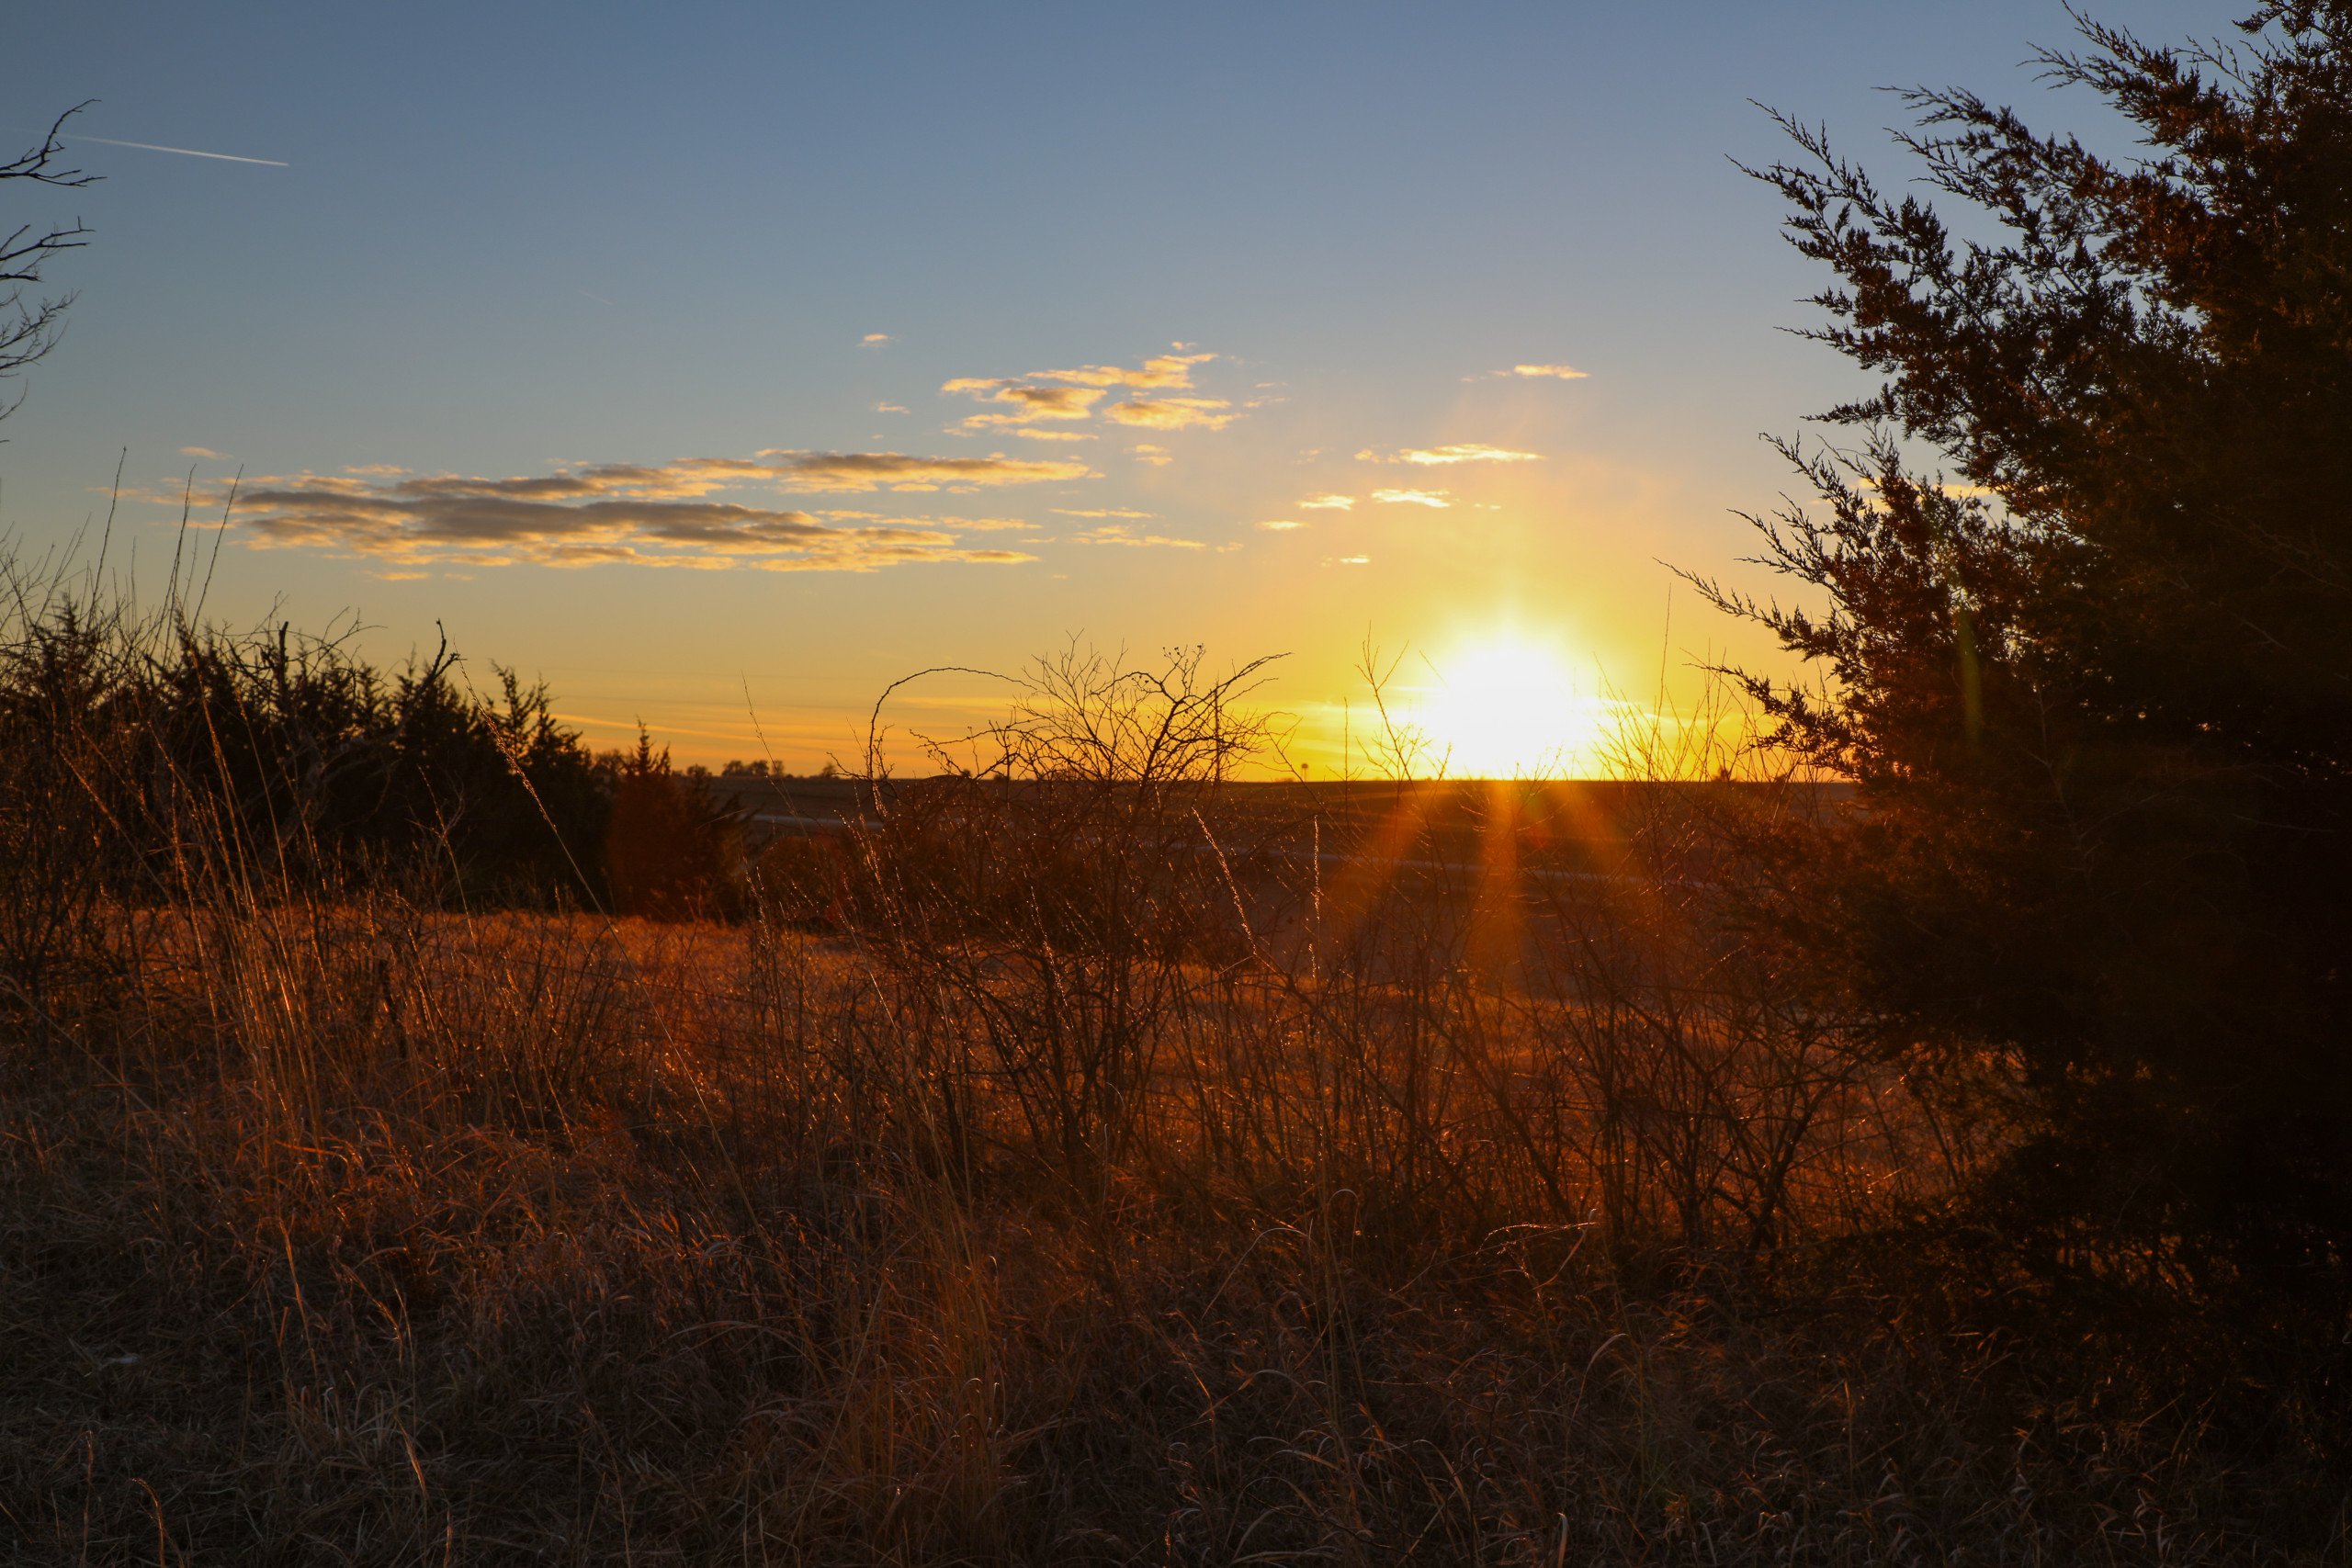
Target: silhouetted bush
{"points": [[145, 749]]}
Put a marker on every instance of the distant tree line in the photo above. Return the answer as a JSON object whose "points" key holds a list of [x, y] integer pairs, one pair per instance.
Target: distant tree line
{"points": [[133, 746]]}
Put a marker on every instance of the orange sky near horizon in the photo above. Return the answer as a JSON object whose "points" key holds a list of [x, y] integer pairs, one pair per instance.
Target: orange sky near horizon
{"points": [[721, 369]]}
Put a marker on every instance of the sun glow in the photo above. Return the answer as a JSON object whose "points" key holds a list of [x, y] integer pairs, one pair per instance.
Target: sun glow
{"points": [[1509, 706]]}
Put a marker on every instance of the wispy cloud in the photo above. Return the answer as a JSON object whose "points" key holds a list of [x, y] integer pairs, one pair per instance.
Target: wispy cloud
{"points": [[1436, 498], [1441, 456], [1077, 395], [1328, 503], [875, 340], [954, 525], [1540, 372], [482, 530], [1280, 524], [643, 515], [1125, 533], [1145, 452], [1169, 371], [203, 452], [1029, 433], [897, 471], [1127, 513], [889, 408], [776, 468], [1173, 413], [1029, 402]]}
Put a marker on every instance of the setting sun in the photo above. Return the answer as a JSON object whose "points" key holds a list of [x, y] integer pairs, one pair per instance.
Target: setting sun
{"points": [[1507, 705]]}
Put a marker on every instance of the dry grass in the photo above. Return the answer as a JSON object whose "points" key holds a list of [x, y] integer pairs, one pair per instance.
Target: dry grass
{"points": [[1055, 1172], [356, 1233]]}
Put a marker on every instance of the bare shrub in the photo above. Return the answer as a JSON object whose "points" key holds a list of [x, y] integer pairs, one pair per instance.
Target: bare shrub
{"points": [[1045, 901]]}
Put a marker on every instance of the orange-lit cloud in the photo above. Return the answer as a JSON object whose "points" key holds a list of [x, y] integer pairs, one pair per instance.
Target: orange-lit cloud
{"points": [[1436, 498], [1552, 372], [875, 340], [644, 515], [1029, 402], [1027, 434], [1328, 503], [1442, 456], [1125, 533], [1174, 413], [1144, 452], [1280, 524], [488, 531], [1170, 371], [1073, 394], [896, 471]]}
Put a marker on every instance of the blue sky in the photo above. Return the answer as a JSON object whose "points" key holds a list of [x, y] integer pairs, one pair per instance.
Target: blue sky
{"points": [[551, 243]]}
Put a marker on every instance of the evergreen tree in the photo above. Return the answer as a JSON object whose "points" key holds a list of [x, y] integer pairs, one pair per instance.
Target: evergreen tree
{"points": [[669, 851], [2098, 697]]}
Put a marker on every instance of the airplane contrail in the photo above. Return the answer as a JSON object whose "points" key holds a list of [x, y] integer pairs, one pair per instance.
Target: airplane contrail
{"points": [[183, 152]]}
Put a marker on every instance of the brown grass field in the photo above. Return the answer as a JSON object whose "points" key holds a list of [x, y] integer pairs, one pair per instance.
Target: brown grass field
{"points": [[1099, 1212], [1081, 1160]]}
